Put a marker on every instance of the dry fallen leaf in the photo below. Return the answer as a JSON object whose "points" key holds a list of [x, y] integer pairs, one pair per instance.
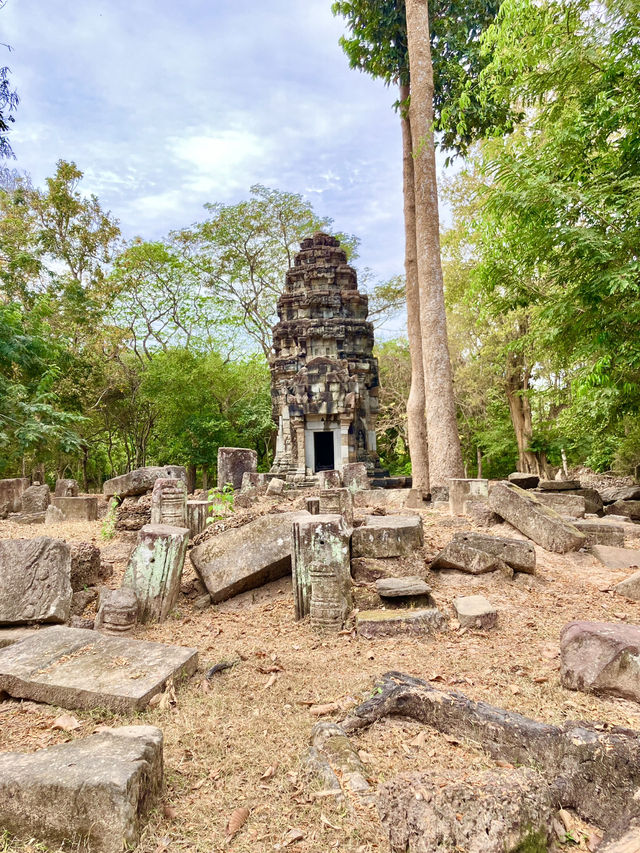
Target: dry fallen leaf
{"points": [[321, 710], [419, 740], [327, 822], [66, 723], [269, 773], [271, 681], [170, 812], [237, 821]]}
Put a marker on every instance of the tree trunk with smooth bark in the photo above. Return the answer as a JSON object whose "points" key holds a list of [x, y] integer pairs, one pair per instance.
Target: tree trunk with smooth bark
{"points": [[445, 456], [416, 404]]}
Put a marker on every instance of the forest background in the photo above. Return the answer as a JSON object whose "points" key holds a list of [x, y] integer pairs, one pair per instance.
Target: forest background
{"points": [[116, 354]]}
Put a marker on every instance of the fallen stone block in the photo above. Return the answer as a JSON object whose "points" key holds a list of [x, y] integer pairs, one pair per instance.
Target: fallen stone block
{"points": [[354, 476], [96, 791], [559, 485], [564, 503], [626, 493], [600, 533], [275, 487], [53, 515], [117, 611], [494, 812], [9, 636], [592, 501], [616, 558], [197, 514], [525, 481], [169, 502], [322, 571], [133, 513], [141, 480], [35, 580], [251, 481], [516, 553], [76, 668], [465, 558], [629, 509], [368, 569], [155, 567], [336, 501], [30, 518], [87, 568], [392, 623], [387, 536], [481, 513], [84, 508], [330, 479], [381, 498], [475, 611], [601, 657], [11, 492], [233, 463], [589, 767], [66, 489], [462, 490], [539, 522], [630, 587], [332, 749], [407, 587], [81, 600], [246, 557], [35, 499]]}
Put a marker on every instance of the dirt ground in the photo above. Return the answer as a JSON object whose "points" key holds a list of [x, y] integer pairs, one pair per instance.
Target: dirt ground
{"points": [[236, 740]]}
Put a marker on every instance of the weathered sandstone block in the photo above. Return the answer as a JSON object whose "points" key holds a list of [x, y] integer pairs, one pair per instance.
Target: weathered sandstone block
{"points": [[243, 558], [96, 791], [564, 503], [354, 476], [616, 558], [83, 508], [35, 580], [322, 571], [387, 536], [336, 502], [462, 490], [66, 489], [600, 533], [76, 668], [169, 502], [35, 499], [630, 509], [87, 568], [601, 657], [117, 611], [155, 570], [516, 553], [465, 558], [525, 481], [233, 463], [141, 480], [11, 492], [531, 517], [475, 611], [392, 623], [558, 485]]}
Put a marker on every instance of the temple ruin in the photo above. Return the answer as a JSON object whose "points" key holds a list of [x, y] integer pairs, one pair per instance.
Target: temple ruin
{"points": [[324, 378]]}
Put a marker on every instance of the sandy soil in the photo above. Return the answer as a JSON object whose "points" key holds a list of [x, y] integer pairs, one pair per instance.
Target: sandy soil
{"points": [[236, 740]]}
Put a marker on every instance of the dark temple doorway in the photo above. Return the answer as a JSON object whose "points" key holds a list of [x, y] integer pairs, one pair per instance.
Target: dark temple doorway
{"points": [[323, 451]]}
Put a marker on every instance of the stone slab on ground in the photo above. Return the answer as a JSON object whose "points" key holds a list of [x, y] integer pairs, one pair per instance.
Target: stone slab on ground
{"points": [[82, 508], [275, 487], [600, 532], [626, 493], [466, 558], [475, 611], [233, 462], [393, 623], [354, 476], [9, 636], [368, 569], [530, 516], [35, 580], [66, 489], [35, 499], [629, 509], [558, 485], [402, 587], [525, 481], [564, 503], [387, 536], [616, 558], [96, 791], [76, 668], [141, 480], [592, 500], [630, 587], [246, 557], [517, 553], [601, 657]]}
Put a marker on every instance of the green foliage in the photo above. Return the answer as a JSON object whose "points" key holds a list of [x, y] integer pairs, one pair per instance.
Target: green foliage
{"points": [[535, 842], [108, 528], [221, 502], [377, 44]]}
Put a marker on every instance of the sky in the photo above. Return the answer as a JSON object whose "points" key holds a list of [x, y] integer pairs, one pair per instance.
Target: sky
{"points": [[166, 106]]}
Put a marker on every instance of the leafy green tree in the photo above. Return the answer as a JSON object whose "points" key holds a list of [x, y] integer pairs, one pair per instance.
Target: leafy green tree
{"points": [[242, 252]]}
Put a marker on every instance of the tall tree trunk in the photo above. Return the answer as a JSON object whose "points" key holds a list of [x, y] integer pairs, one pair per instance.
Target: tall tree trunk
{"points": [[416, 404], [517, 386], [445, 455]]}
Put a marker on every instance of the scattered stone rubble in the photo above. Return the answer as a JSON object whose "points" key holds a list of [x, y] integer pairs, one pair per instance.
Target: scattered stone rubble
{"points": [[601, 657], [154, 572]]}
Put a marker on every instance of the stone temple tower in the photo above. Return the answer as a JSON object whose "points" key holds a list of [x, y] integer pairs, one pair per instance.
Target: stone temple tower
{"points": [[324, 378]]}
